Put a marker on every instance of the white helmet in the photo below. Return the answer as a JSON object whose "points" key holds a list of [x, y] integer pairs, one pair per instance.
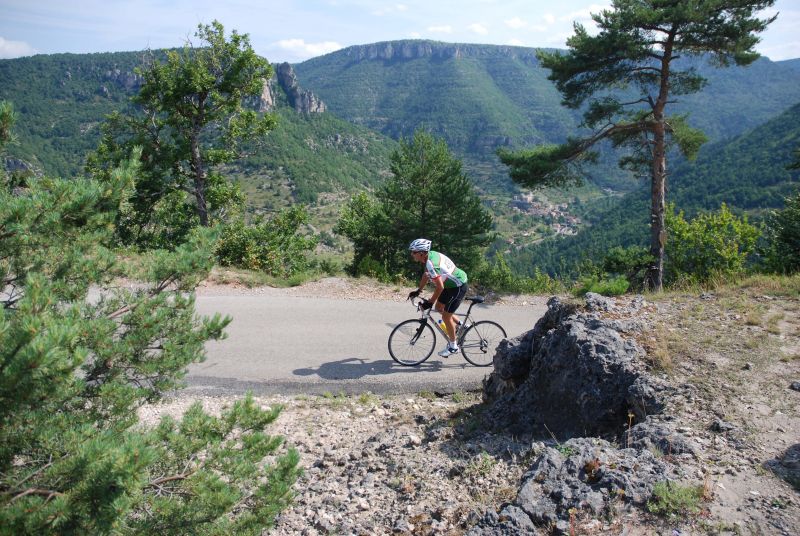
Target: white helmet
{"points": [[420, 244]]}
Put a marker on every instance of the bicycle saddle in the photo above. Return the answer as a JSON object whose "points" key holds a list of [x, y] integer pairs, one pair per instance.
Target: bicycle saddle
{"points": [[475, 299]]}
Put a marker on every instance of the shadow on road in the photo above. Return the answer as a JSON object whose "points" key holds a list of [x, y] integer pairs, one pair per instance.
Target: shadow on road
{"points": [[354, 368]]}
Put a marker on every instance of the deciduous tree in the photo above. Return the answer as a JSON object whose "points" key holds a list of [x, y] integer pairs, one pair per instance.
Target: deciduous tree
{"points": [[190, 119]]}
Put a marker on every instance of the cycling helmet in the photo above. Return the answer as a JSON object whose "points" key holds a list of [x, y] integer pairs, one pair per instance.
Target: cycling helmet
{"points": [[420, 244]]}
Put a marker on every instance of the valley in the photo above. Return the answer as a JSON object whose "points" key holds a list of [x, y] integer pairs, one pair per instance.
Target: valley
{"points": [[340, 116]]}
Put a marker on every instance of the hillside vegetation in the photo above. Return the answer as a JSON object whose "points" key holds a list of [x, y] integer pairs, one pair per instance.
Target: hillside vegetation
{"points": [[476, 97], [749, 173], [62, 99], [481, 97]]}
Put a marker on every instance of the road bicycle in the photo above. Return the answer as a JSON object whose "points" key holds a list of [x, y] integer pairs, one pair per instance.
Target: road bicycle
{"points": [[413, 341]]}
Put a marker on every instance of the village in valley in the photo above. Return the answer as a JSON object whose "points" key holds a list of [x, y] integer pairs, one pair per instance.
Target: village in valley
{"points": [[544, 219]]}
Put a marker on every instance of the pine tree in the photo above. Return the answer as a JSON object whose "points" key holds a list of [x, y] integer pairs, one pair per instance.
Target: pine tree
{"points": [[629, 73], [427, 196], [79, 357]]}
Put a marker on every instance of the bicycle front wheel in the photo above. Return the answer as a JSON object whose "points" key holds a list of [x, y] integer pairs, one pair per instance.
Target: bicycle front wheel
{"points": [[480, 341], [412, 342]]}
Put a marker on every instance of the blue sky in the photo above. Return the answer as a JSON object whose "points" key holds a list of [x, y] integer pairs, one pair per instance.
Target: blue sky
{"points": [[293, 30]]}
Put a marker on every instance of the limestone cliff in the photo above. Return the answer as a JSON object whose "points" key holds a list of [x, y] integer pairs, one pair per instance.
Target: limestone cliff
{"points": [[415, 49], [303, 101]]}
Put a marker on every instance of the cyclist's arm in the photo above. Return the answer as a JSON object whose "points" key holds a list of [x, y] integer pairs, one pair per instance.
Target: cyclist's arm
{"points": [[438, 282], [423, 281]]}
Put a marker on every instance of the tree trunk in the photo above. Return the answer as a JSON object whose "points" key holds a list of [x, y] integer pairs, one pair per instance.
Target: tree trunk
{"points": [[658, 230], [199, 173]]}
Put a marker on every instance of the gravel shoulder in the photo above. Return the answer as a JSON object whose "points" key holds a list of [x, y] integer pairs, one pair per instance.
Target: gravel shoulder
{"points": [[349, 289]]}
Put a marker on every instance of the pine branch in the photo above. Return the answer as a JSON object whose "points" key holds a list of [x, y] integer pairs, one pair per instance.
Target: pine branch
{"points": [[36, 491]]}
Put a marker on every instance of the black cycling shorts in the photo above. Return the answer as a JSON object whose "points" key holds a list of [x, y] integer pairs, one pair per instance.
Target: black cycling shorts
{"points": [[451, 297]]}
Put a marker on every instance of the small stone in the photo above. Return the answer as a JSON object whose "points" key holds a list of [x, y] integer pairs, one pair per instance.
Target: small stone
{"points": [[795, 386], [403, 526], [414, 440], [721, 426]]}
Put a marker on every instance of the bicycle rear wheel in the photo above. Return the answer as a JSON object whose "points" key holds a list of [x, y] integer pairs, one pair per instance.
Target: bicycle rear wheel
{"points": [[480, 341], [412, 342]]}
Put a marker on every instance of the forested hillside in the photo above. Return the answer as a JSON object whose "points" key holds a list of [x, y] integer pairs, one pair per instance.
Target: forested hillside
{"points": [[481, 97], [61, 101], [748, 173], [793, 64], [477, 97]]}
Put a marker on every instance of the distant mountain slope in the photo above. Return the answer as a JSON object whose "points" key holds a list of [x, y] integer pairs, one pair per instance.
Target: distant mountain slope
{"points": [[62, 99], [480, 97], [792, 64], [747, 173], [476, 96]]}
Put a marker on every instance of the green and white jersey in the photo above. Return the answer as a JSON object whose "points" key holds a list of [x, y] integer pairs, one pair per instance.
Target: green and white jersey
{"points": [[440, 265]]}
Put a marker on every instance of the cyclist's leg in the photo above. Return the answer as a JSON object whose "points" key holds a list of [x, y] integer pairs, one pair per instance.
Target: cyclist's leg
{"points": [[449, 300]]}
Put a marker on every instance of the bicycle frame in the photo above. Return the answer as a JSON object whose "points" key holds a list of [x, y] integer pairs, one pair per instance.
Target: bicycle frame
{"points": [[465, 323], [476, 339]]}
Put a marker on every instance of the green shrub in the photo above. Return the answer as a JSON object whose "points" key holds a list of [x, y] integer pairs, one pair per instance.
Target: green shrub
{"points": [[670, 499], [631, 262], [370, 267], [329, 267], [782, 234], [614, 286], [710, 245], [499, 277], [77, 368], [273, 246]]}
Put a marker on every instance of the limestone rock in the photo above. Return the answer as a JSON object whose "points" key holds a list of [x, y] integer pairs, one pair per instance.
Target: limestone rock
{"points": [[303, 101], [583, 377]]}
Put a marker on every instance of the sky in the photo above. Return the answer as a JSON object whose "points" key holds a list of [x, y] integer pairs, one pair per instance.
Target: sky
{"points": [[294, 30]]}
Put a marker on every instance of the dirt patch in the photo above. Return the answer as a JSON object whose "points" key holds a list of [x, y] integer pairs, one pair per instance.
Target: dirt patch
{"points": [[734, 360], [346, 288]]}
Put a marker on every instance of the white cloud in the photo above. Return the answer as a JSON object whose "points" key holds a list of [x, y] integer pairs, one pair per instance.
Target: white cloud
{"points": [[516, 23], [415, 35], [584, 14], [15, 49], [516, 43], [389, 10], [549, 18], [478, 29], [441, 29], [301, 48]]}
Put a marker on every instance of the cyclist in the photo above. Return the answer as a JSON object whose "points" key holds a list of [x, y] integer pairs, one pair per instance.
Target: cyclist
{"points": [[450, 283]]}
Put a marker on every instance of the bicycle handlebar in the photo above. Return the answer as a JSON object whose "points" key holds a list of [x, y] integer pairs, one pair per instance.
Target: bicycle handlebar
{"points": [[417, 302]]}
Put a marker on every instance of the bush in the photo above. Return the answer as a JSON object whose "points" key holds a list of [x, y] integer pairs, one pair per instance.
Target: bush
{"points": [[631, 263], [499, 277], [615, 286], [710, 245], [370, 267], [782, 234], [272, 246], [671, 499], [76, 367]]}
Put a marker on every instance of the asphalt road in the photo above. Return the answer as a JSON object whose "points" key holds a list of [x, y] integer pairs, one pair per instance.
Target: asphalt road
{"points": [[292, 345]]}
